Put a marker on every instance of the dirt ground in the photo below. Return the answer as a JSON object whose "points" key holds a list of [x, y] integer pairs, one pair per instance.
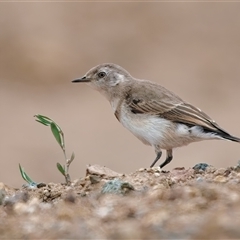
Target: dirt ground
{"points": [[196, 203]]}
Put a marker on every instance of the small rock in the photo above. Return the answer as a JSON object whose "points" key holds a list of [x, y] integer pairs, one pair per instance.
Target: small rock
{"points": [[101, 171], [220, 179], [233, 174], [220, 171], [117, 186], [149, 169], [2, 193], [237, 168], [79, 183], [210, 169], [179, 168], [238, 175], [2, 196], [157, 169], [199, 179], [29, 186], [94, 179], [227, 172], [200, 166], [40, 185], [70, 198]]}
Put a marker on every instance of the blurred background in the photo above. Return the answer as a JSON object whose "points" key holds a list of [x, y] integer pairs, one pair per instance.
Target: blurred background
{"points": [[192, 49]]}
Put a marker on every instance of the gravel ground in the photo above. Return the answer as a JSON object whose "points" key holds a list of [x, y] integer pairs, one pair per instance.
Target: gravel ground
{"points": [[200, 203]]}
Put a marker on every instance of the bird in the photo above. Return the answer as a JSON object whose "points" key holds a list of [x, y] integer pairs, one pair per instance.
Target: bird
{"points": [[155, 115]]}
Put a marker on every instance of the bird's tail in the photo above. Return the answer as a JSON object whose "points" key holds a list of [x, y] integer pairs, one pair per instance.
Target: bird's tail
{"points": [[225, 135], [231, 138]]}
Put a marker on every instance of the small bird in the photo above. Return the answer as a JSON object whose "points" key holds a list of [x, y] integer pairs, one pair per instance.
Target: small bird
{"points": [[155, 115]]}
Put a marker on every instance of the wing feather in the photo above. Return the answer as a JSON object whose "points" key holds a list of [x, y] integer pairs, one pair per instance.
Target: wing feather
{"points": [[171, 107]]}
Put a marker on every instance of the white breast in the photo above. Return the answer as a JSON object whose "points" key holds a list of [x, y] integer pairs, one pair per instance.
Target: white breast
{"points": [[151, 130]]}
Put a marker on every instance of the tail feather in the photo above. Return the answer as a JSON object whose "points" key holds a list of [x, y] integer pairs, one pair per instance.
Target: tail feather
{"points": [[230, 137], [222, 133]]}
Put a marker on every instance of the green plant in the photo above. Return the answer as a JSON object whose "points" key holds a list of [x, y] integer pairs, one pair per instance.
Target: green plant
{"points": [[26, 177], [59, 136]]}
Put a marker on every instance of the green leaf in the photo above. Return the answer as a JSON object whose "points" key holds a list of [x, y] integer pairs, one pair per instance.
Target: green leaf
{"points": [[57, 134], [46, 121], [69, 161], [61, 169], [42, 123], [43, 119], [22, 172], [72, 157], [25, 176]]}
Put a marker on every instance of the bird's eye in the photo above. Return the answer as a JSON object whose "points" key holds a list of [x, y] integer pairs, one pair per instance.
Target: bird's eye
{"points": [[101, 74]]}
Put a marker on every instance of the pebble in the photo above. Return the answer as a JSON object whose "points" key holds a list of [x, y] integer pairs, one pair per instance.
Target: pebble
{"points": [[220, 179], [220, 171], [201, 167]]}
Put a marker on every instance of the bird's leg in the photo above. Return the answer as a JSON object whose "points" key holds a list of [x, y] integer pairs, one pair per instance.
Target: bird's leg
{"points": [[168, 159], [159, 154]]}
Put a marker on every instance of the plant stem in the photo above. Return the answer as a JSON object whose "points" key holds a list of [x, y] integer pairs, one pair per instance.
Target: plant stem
{"points": [[67, 176]]}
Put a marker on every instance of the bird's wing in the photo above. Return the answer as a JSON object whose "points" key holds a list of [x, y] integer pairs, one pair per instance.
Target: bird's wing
{"points": [[169, 106]]}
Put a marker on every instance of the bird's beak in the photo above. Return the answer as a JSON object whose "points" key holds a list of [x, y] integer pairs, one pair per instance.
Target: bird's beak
{"points": [[83, 79]]}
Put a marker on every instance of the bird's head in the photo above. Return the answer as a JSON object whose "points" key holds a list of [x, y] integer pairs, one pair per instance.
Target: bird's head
{"points": [[105, 77]]}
